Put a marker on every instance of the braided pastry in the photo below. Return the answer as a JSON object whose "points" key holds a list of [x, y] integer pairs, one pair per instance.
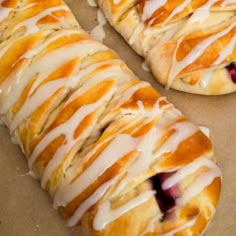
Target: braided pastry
{"points": [[188, 44], [116, 157]]}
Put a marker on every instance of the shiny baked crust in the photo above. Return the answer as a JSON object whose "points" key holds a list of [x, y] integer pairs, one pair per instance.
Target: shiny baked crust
{"points": [[188, 44], [20, 17], [108, 148]]}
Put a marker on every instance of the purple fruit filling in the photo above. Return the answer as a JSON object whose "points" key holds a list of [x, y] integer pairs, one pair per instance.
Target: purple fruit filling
{"points": [[231, 68], [165, 198]]}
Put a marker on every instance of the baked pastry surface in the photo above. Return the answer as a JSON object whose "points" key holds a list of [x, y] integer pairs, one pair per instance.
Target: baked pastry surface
{"points": [[116, 157], [188, 44]]}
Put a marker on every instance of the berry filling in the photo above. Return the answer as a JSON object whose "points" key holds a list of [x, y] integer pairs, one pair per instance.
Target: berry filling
{"points": [[231, 68], [165, 198]]}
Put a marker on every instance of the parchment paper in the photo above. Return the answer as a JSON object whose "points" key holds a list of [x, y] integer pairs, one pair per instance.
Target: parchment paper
{"points": [[25, 209]]}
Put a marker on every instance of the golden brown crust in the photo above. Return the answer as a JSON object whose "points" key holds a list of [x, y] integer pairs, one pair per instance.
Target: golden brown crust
{"points": [[28, 15], [162, 14]]}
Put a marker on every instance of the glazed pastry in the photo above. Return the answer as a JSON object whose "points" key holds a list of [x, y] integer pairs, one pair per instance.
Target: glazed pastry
{"points": [[23, 17], [116, 157], [188, 44]]}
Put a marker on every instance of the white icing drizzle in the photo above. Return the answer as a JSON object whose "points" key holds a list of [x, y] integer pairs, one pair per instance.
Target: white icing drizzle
{"points": [[185, 171], [228, 2], [182, 227], [4, 49], [106, 215], [140, 27], [4, 12], [39, 97], [13, 88], [116, 1], [146, 143], [199, 184], [129, 92], [113, 71], [8, 92], [96, 148], [203, 12], [107, 73], [48, 89], [145, 66], [144, 32], [94, 198], [199, 15], [127, 142], [66, 129], [114, 64], [92, 3], [30, 173], [31, 24], [205, 130], [151, 6], [51, 88], [98, 31], [79, 49], [120, 146], [68, 125], [206, 78], [228, 50], [141, 107], [178, 9], [15, 140], [183, 130], [25, 111], [22, 8], [35, 51], [196, 52], [145, 147], [208, 4], [151, 226]]}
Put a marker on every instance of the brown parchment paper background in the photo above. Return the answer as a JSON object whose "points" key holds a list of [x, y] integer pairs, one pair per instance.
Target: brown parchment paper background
{"points": [[26, 210]]}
